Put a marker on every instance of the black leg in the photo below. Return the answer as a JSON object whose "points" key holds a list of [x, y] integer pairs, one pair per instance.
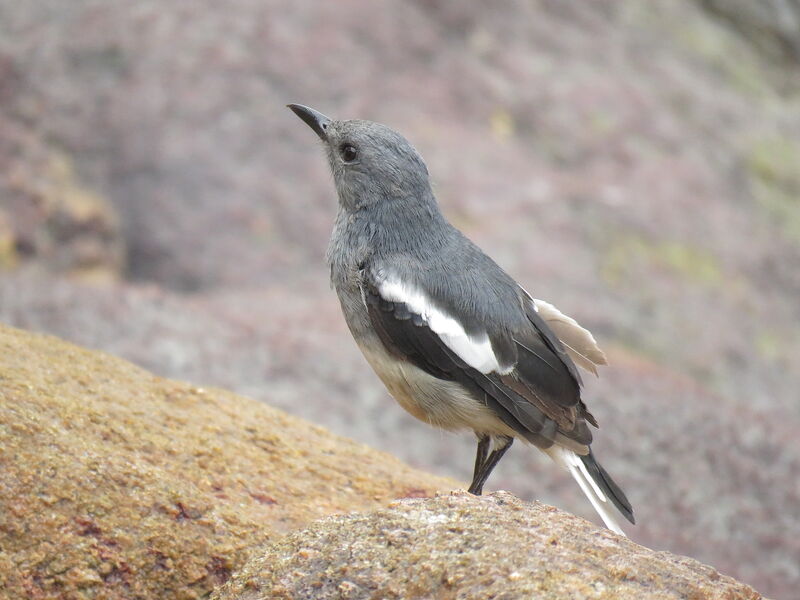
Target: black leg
{"points": [[489, 464], [480, 456]]}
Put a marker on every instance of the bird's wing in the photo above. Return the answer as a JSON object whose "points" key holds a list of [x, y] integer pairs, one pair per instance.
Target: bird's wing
{"points": [[525, 377], [578, 342]]}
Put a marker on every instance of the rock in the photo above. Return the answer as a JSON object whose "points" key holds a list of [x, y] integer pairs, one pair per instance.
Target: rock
{"points": [[690, 460], [773, 26], [119, 484], [634, 163], [460, 546], [50, 220]]}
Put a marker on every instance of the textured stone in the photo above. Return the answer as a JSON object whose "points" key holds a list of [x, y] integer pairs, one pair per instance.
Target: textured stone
{"points": [[119, 484], [460, 546], [632, 162], [50, 220]]}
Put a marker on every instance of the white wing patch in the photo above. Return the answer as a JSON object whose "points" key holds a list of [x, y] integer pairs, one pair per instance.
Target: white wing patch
{"points": [[475, 351], [578, 342]]}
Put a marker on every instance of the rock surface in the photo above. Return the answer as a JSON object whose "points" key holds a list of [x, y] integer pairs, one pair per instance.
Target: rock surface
{"points": [[460, 546], [772, 25], [634, 163], [119, 484], [49, 220], [690, 460]]}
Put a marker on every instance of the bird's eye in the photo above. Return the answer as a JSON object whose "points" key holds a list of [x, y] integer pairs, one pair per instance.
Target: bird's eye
{"points": [[349, 152]]}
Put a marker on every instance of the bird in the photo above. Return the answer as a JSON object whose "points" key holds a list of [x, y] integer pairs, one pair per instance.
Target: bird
{"points": [[456, 340]]}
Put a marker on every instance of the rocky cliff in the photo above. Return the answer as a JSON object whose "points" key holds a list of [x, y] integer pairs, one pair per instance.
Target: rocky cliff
{"points": [[635, 163], [120, 484], [460, 546]]}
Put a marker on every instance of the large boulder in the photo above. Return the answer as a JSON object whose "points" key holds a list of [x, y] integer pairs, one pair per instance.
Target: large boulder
{"points": [[634, 163], [119, 484], [701, 469], [460, 546], [50, 219], [773, 26]]}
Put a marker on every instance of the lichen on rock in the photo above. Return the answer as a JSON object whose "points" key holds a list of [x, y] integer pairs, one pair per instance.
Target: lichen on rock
{"points": [[467, 547], [49, 219], [120, 484]]}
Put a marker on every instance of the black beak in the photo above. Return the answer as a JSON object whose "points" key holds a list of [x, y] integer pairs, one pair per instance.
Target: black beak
{"points": [[316, 120]]}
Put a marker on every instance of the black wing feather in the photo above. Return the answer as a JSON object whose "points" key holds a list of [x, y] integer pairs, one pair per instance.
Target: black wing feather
{"points": [[407, 337], [400, 339], [540, 399], [551, 341]]}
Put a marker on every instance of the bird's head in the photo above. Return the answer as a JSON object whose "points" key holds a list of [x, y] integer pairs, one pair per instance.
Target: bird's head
{"points": [[371, 164]]}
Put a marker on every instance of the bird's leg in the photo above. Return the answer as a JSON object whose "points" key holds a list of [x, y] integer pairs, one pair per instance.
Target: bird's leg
{"points": [[489, 464], [480, 457]]}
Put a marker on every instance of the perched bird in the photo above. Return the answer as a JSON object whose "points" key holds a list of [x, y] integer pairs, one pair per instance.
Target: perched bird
{"points": [[457, 342]]}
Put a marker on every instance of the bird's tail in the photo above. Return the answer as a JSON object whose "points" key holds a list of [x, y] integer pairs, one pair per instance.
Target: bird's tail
{"points": [[596, 483]]}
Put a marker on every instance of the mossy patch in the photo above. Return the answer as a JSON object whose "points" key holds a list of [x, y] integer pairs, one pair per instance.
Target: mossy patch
{"points": [[773, 166], [722, 51], [501, 124], [8, 245], [49, 217], [467, 547], [117, 484], [628, 254]]}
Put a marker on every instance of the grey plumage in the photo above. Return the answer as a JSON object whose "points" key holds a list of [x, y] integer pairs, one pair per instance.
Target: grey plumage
{"points": [[453, 337]]}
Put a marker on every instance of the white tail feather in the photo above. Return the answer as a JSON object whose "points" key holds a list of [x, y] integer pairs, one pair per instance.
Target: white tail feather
{"points": [[570, 461], [578, 342], [600, 495]]}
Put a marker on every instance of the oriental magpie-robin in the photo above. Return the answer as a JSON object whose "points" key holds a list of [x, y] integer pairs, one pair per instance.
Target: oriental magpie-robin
{"points": [[457, 342]]}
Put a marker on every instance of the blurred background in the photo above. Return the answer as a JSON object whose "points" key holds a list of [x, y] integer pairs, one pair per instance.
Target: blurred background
{"points": [[637, 164]]}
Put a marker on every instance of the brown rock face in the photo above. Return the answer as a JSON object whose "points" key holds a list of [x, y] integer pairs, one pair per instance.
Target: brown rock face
{"points": [[635, 163], [119, 484], [773, 26], [460, 546], [48, 219]]}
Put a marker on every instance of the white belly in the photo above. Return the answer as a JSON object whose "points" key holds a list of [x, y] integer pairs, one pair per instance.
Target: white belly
{"points": [[444, 404]]}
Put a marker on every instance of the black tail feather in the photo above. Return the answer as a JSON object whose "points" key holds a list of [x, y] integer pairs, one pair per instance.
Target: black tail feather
{"points": [[610, 489]]}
